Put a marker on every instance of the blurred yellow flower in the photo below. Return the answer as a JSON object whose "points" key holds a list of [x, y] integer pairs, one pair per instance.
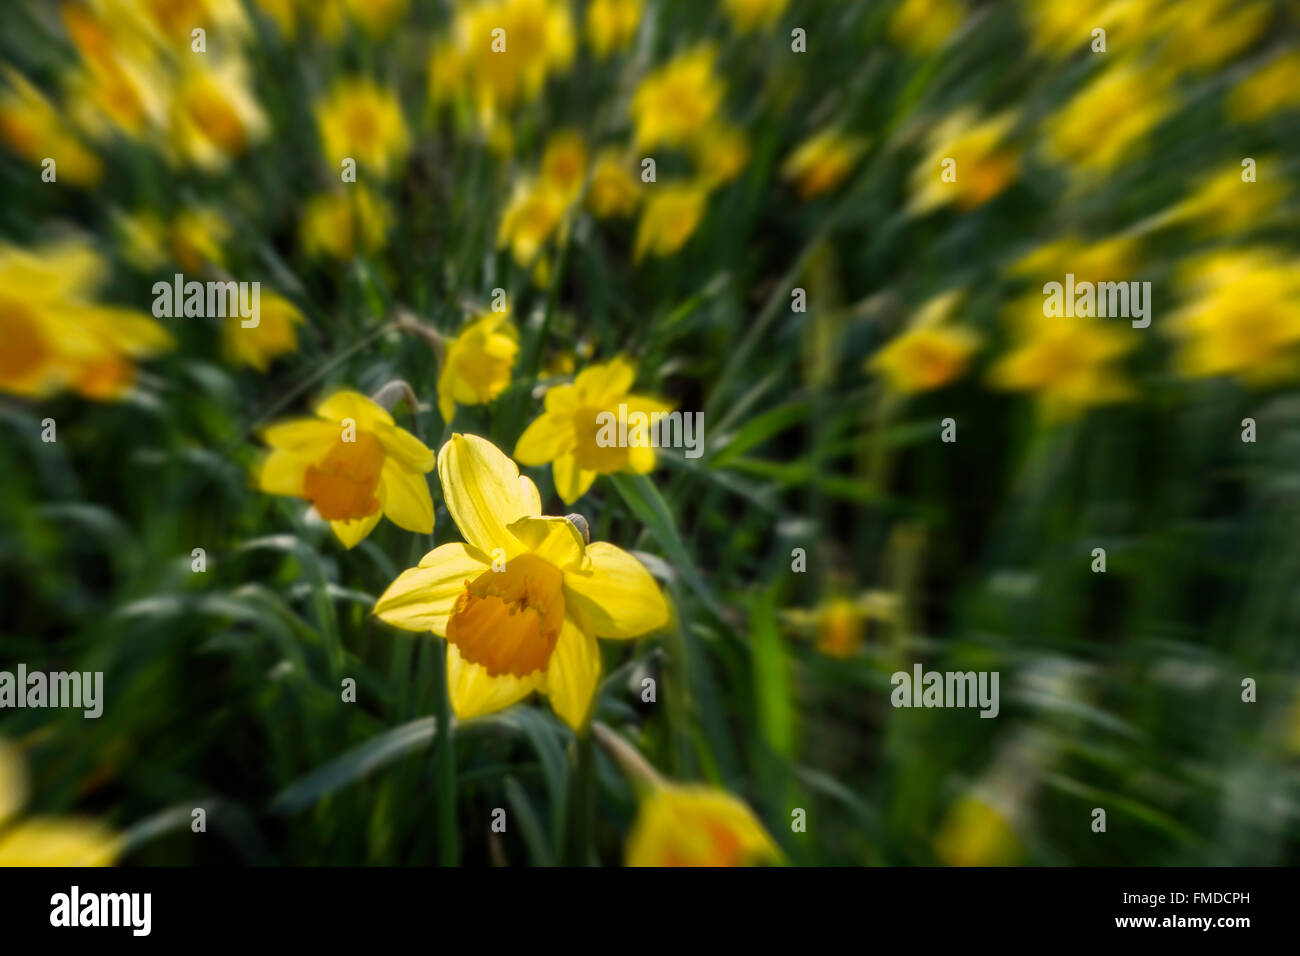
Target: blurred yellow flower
{"points": [[820, 163], [1270, 89], [142, 237], [353, 464], [478, 362], [975, 834], [611, 24], [33, 129], [924, 26], [121, 83], [669, 217], [1205, 34], [170, 21], [1067, 362], [346, 222], [1224, 204], [721, 153], [46, 841], [1062, 29], [564, 164], [447, 71], [274, 335], [197, 235], [523, 600], [376, 17], [1242, 317], [1107, 260], [931, 353], [1108, 120], [567, 433], [839, 623], [56, 337], [214, 115], [363, 121], [614, 191], [967, 162], [509, 48], [675, 103], [693, 825], [284, 13], [534, 213], [747, 15]]}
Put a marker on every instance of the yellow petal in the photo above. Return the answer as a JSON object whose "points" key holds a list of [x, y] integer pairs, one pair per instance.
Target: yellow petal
{"points": [[353, 532], [305, 436], [475, 692], [641, 459], [571, 482], [546, 439], [282, 474], [406, 497], [553, 539], [42, 841], [406, 448], [421, 598], [618, 598], [353, 405], [603, 385], [485, 493], [572, 674]]}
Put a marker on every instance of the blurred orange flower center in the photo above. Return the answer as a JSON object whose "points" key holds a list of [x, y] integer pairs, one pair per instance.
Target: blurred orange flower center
{"points": [[24, 346], [509, 621], [342, 487]]}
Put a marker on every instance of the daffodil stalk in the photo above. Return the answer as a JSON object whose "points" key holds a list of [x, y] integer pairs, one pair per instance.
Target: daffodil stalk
{"points": [[409, 323], [634, 766], [393, 392]]}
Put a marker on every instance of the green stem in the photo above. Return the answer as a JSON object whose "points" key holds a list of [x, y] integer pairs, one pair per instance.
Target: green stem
{"points": [[584, 801], [444, 766]]}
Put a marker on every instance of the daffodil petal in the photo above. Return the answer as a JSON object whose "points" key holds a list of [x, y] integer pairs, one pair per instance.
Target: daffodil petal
{"points": [[617, 598], [306, 436], [353, 532], [553, 539], [546, 439], [571, 482], [43, 841], [561, 400], [406, 448], [485, 492], [603, 385], [347, 404], [406, 497], [421, 598], [641, 459], [475, 692], [572, 674]]}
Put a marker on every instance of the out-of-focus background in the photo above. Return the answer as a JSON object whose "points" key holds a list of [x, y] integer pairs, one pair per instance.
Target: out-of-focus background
{"points": [[853, 210]]}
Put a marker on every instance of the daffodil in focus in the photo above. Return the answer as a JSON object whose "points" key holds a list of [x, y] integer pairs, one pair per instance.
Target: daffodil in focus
{"points": [[925, 25], [1108, 120], [567, 434], [669, 217], [749, 15], [214, 115], [1242, 316], [820, 163], [974, 833], [478, 362], [523, 599], [1271, 89], [56, 337], [275, 334], [353, 464], [611, 24], [1069, 363], [968, 162], [345, 223], [33, 128], [675, 103], [613, 191], [692, 825], [363, 121], [930, 353], [533, 214], [46, 841]]}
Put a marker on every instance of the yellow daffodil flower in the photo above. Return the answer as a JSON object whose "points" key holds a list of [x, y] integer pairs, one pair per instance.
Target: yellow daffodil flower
{"points": [[749, 15], [345, 223], [931, 353], [197, 235], [535, 212], [1108, 120], [692, 825], [523, 599], [1242, 317], [1107, 260], [564, 164], [353, 464], [478, 362], [46, 841], [721, 154], [274, 335], [983, 165], [215, 115], [376, 17], [1271, 89], [55, 336], [121, 85], [363, 121], [1062, 29], [669, 217], [975, 834], [676, 102], [1205, 34], [614, 191], [611, 25], [33, 128], [567, 432], [924, 26], [820, 163], [1223, 204]]}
